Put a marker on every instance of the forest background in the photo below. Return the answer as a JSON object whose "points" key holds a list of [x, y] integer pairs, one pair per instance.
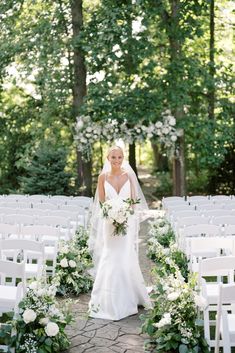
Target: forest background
{"points": [[125, 60]]}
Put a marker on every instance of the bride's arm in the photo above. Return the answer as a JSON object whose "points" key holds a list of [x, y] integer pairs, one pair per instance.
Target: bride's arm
{"points": [[101, 191], [133, 188]]}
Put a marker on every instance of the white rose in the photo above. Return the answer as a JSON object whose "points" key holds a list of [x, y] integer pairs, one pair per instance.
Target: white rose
{"points": [[72, 263], [51, 329], [88, 135], [150, 135], [79, 124], [29, 315], [158, 124], [44, 321], [165, 130], [167, 112], [33, 285], [172, 121], [120, 219], [173, 296], [41, 292], [173, 138], [158, 132], [83, 140], [64, 262], [65, 249], [89, 129]]}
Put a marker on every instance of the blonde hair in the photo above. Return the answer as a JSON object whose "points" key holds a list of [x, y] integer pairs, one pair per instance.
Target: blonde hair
{"points": [[114, 148]]}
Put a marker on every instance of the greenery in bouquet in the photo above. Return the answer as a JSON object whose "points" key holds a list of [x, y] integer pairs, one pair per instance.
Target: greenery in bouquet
{"points": [[39, 325], [73, 262], [172, 323], [161, 230], [117, 211]]}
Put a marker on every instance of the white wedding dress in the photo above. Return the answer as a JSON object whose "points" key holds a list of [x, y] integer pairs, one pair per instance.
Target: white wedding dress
{"points": [[119, 285]]}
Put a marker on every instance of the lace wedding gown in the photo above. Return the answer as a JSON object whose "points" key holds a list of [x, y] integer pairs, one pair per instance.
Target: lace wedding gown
{"points": [[119, 285]]}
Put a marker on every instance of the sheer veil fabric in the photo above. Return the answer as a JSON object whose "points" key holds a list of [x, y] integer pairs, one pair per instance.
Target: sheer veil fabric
{"points": [[95, 241]]}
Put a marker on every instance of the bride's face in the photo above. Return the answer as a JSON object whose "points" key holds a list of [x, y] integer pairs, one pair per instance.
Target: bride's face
{"points": [[115, 157]]}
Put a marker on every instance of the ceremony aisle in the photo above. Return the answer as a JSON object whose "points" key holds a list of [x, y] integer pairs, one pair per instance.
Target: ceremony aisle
{"points": [[103, 336]]}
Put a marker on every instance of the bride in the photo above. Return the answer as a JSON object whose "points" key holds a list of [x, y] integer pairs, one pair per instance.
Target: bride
{"points": [[119, 285]]}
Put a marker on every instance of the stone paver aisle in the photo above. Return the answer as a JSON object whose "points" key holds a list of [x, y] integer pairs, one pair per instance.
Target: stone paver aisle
{"points": [[89, 335]]}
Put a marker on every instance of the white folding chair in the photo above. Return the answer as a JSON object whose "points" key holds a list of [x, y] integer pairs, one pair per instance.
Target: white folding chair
{"points": [[11, 292], [81, 201], [197, 198], [75, 217], [49, 236], [19, 219], [38, 198], [181, 222], [229, 229], [218, 267], [165, 200], [229, 205], [82, 213], [197, 231], [206, 247], [62, 222], [215, 212], [225, 322], [9, 231], [223, 220], [29, 251], [45, 206], [220, 198]]}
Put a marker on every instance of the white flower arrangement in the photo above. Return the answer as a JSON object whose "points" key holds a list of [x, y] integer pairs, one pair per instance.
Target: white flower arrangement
{"points": [[172, 323], [40, 320], [73, 262], [88, 132], [118, 211]]}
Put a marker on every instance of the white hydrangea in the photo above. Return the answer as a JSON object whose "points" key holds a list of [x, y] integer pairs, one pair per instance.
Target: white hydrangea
{"points": [[166, 320], [173, 296]]}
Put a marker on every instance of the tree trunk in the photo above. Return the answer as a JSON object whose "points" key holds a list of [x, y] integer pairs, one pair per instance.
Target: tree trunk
{"points": [[160, 161], [179, 185], [211, 92], [79, 92], [179, 181]]}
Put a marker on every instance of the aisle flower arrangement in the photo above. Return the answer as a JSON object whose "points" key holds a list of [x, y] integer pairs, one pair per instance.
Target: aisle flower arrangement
{"points": [[163, 250], [73, 263], [39, 326], [173, 323]]}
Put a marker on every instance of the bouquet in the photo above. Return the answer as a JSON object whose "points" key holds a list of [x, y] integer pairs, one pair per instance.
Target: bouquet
{"points": [[118, 211]]}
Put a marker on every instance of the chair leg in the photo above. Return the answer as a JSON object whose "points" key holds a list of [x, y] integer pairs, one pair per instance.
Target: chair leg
{"points": [[206, 324]]}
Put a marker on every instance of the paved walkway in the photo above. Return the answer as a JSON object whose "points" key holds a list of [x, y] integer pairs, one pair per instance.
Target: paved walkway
{"points": [[89, 335]]}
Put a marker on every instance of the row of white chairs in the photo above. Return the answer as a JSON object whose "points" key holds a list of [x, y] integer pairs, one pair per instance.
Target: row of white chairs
{"points": [[34, 232], [45, 205], [43, 198], [198, 198], [203, 230], [212, 271], [63, 218]]}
